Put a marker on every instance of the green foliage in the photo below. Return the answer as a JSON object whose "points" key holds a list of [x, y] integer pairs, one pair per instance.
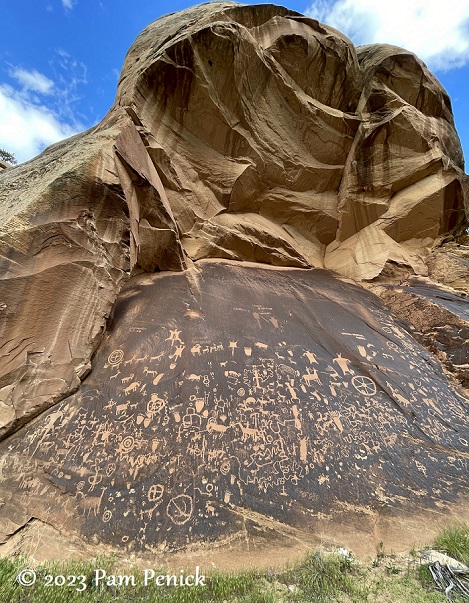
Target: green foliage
{"points": [[380, 555], [319, 578], [324, 578], [242, 587], [425, 577], [392, 569], [7, 157], [454, 540]]}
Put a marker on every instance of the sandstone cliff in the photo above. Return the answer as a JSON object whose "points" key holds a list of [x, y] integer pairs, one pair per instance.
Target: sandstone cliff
{"points": [[255, 134]]}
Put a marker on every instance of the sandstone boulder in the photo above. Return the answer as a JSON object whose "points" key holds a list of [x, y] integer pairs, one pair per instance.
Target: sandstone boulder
{"points": [[159, 390], [238, 132], [248, 400]]}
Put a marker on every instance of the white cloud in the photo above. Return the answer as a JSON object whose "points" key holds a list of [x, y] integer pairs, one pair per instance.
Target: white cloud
{"points": [[33, 80], [69, 4], [25, 128], [69, 76], [37, 110], [437, 32]]}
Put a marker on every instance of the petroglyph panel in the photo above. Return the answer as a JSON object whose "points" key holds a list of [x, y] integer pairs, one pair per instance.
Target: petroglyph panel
{"points": [[289, 393]]}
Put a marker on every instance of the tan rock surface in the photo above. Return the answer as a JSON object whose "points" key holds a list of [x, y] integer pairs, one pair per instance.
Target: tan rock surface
{"points": [[435, 305], [404, 173], [247, 133]]}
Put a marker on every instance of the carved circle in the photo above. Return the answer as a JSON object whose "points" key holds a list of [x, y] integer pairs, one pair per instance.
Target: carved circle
{"points": [[155, 492], [180, 509], [155, 405], [128, 443], [364, 385], [115, 357]]}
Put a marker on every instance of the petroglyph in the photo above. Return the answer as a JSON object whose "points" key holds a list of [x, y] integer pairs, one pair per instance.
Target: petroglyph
{"points": [[115, 357], [217, 418], [343, 364], [132, 387], [174, 336], [364, 385]]}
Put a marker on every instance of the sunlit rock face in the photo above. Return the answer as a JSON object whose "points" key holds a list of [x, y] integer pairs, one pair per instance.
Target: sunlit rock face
{"points": [[169, 396], [278, 141]]}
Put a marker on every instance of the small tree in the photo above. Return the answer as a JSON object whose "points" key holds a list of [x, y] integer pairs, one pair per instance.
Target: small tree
{"points": [[7, 157]]}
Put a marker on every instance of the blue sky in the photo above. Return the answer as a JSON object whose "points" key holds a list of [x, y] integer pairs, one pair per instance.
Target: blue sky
{"points": [[60, 59]]}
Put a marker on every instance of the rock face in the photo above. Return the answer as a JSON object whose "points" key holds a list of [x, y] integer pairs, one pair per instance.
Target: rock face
{"points": [[305, 404], [224, 393], [437, 306]]}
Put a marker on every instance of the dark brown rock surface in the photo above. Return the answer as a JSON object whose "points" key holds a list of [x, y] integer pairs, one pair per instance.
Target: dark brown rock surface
{"points": [[230, 391], [238, 132], [224, 401]]}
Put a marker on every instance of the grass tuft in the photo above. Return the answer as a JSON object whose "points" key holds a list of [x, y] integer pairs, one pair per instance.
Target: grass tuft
{"points": [[454, 540], [323, 578]]}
